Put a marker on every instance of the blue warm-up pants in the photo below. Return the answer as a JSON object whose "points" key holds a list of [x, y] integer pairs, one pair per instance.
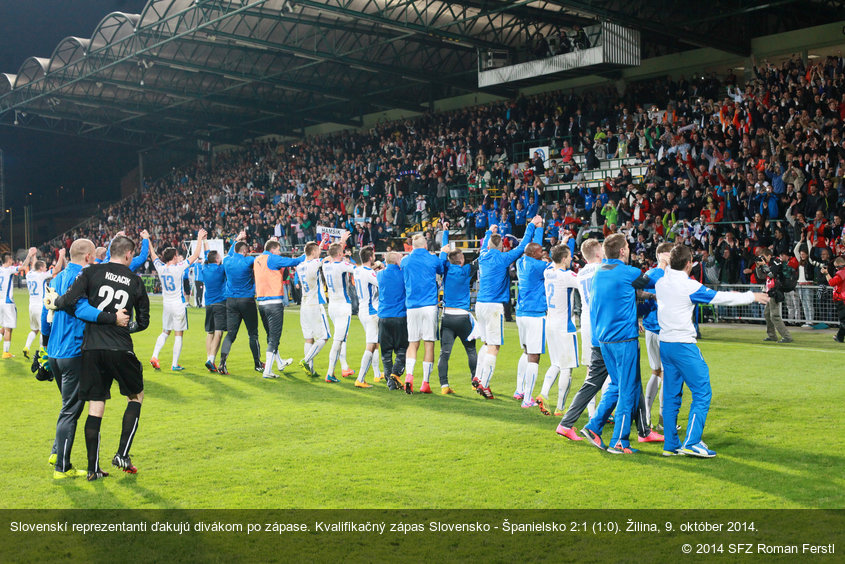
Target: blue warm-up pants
{"points": [[623, 393], [683, 364]]}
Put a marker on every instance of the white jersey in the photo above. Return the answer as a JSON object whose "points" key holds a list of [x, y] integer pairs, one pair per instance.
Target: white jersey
{"points": [[366, 284], [559, 287], [35, 283], [171, 275], [6, 273], [336, 274], [308, 273]]}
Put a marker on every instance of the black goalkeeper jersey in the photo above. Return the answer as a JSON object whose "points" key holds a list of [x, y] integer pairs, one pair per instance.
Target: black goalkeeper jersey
{"points": [[109, 287]]}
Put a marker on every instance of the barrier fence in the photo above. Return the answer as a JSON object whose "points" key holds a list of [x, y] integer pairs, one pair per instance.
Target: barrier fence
{"points": [[806, 304]]}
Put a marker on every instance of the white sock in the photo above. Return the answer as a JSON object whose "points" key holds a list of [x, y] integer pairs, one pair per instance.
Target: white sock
{"points": [[343, 364], [6, 346], [314, 350], [661, 394], [29, 339], [650, 394], [605, 385], [521, 366], [531, 371], [334, 354], [489, 367], [563, 384], [427, 368], [591, 407], [278, 360], [366, 361], [268, 362], [177, 350], [210, 358], [375, 365], [482, 352], [159, 344], [549, 380], [409, 366]]}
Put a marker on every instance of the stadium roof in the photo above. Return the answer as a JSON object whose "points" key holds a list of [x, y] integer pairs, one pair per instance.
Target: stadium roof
{"points": [[225, 70]]}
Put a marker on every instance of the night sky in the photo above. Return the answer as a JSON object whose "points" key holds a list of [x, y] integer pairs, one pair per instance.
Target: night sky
{"points": [[40, 162]]}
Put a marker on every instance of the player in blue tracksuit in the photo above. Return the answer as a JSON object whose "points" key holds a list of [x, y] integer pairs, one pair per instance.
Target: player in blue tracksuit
{"points": [[493, 292], [64, 350], [531, 308], [613, 316], [392, 320], [457, 322], [683, 364], [419, 272], [240, 302]]}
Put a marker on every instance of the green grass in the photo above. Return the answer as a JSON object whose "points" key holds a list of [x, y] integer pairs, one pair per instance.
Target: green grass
{"points": [[238, 441]]}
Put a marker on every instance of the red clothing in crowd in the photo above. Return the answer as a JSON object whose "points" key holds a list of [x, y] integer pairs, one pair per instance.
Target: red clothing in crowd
{"points": [[838, 284]]}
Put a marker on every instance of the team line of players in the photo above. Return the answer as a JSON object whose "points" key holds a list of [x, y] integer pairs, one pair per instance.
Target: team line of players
{"points": [[399, 311], [398, 308]]}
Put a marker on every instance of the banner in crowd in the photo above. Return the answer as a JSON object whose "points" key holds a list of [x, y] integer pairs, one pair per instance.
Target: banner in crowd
{"points": [[213, 245], [544, 152], [331, 231]]}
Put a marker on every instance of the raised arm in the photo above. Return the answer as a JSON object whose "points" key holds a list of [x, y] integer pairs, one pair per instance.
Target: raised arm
{"points": [[142, 257], [514, 254], [61, 261], [198, 247]]}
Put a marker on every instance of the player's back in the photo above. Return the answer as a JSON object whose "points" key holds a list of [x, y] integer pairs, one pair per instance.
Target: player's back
{"points": [[172, 289], [613, 305], [560, 285], [111, 287], [531, 301], [419, 272], [309, 278], [6, 274], [36, 281], [336, 274], [366, 284]]}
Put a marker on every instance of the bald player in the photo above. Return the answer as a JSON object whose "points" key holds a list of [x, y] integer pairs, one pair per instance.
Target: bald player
{"points": [[419, 272]]}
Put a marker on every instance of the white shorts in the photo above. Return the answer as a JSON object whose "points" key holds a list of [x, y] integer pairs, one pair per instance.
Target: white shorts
{"points": [[422, 324], [8, 316], [370, 323], [174, 317], [315, 325], [563, 346], [35, 317], [491, 320], [341, 316], [532, 334], [652, 347]]}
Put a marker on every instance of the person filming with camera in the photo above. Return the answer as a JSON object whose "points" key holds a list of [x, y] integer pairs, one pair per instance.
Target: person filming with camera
{"points": [[837, 281], [771, 269]]}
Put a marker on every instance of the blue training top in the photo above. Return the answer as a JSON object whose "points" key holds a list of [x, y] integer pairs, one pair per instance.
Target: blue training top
{"points": [[613, 302], [493, 264], [391, 292]]}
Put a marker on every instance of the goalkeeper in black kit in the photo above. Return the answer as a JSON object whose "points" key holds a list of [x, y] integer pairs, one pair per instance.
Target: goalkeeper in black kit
{"points": [[107, 352]]}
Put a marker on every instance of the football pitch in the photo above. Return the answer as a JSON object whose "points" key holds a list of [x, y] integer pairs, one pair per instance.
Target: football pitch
{"points": [[239, 441]]}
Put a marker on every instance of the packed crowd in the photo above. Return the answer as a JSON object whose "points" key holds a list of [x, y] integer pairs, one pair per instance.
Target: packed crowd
{"points": [[730, 168]]}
